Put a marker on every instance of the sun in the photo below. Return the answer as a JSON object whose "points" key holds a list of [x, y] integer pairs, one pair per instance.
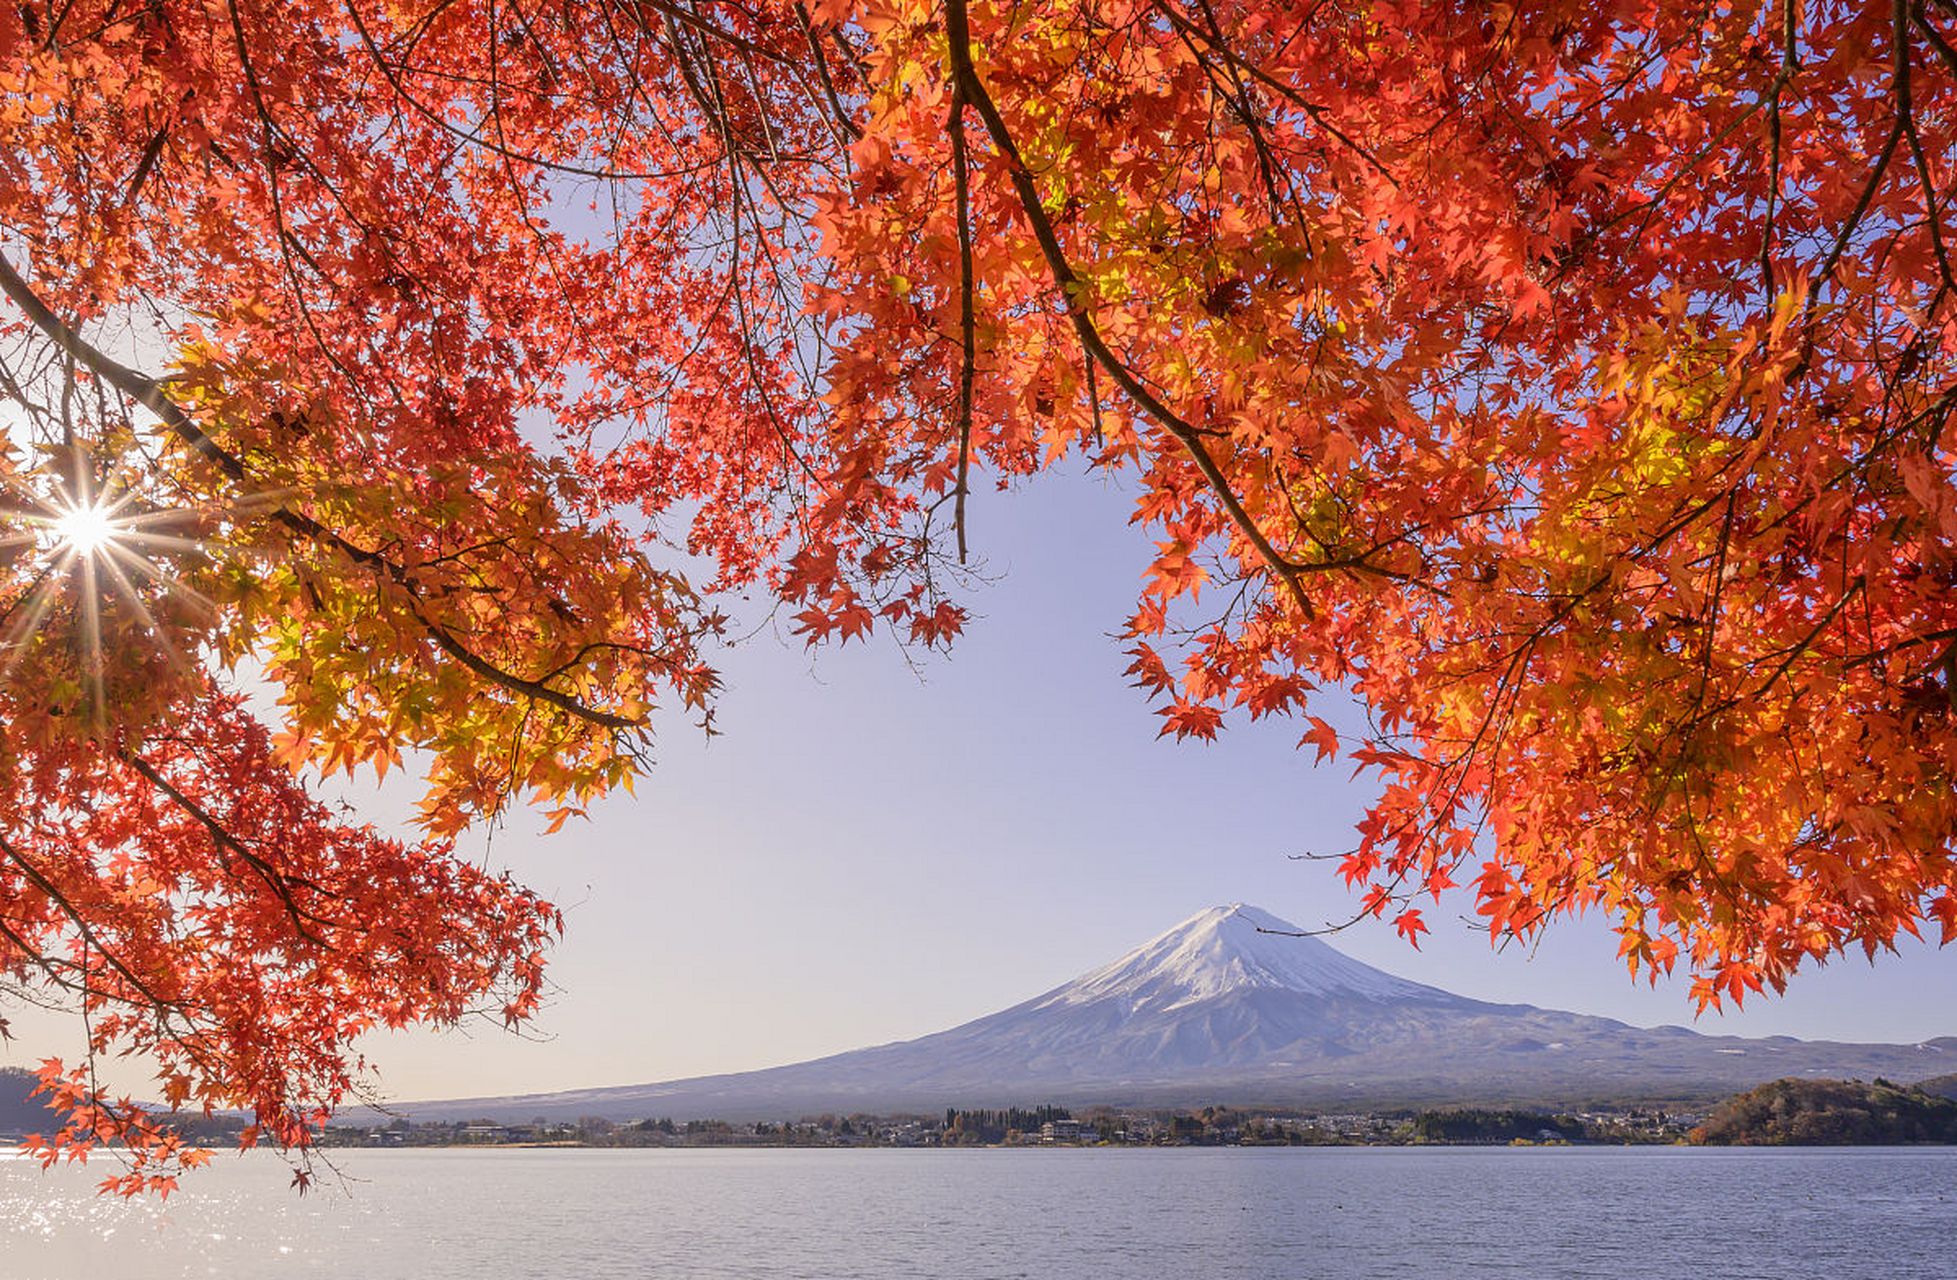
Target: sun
{"points": [[85, 531]]}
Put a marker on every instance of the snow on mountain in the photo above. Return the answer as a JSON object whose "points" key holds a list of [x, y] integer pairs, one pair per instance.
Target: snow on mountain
{"points": [[1232, 949], [1231, 1007]]}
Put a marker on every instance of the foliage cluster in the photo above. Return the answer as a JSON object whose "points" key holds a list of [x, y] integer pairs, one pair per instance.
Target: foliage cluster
{"points": [[983, 1127], [1474, 1125]]}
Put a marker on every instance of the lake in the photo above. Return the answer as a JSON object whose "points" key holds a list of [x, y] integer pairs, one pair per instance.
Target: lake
{"points": [[1162, 1214]]}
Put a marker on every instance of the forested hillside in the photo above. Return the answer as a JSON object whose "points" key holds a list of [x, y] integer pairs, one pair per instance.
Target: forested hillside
{"points": [[1830, 1113]]}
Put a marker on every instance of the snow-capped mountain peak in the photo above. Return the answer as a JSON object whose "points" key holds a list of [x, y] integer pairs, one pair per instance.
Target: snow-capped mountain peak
{"points": [[1226, 1008], [1230, 949]]}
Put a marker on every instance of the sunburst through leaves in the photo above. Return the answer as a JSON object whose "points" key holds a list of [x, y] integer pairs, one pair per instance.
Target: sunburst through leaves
{"points": [[100, 601]]}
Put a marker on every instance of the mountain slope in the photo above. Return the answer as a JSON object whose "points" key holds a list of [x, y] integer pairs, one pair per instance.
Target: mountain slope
{"points": [[1225, 1008]]}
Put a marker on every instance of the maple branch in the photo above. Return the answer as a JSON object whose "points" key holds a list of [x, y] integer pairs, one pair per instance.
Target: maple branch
{"points": [[1237, 94], [967, 324], [49, 966], [1935, 37], [274, 879], [68, 908], [968, 84], [1906, 113], [1712, 620], [1855, 588], [1231, 57], [519, 198], [713, 107], [149, 393], [1094, 398], [1855, 216], [689, 18], [390, 74], [1788, 65], [270, 133], [836, 108], [1650, 207], [1948, 634], [148, 161]]}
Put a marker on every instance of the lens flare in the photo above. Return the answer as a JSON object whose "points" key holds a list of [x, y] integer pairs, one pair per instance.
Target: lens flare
{"points": [[100, 555], [85, 531]]}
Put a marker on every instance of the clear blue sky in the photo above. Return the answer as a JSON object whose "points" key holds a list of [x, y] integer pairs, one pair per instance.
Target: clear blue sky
{"points": [[872, 852]]}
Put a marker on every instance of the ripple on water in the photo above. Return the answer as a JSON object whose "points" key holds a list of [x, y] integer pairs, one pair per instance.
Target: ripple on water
{"points": [[1303, 1214]]}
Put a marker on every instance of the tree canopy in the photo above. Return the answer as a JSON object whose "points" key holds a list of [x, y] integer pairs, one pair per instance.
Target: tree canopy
{"points": [[1564, 380]]}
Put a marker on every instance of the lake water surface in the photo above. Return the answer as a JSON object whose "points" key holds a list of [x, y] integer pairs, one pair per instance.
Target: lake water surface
{"points": [[1172, 1214]]}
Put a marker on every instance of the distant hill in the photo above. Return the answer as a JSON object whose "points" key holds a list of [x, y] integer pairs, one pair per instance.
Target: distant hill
{"points": [[1225, 1009], [1830, 1113], [1941, 1086], [20, 1113]]}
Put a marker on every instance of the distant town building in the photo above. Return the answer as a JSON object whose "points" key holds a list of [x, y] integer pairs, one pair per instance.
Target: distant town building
{"points": [[1060, 1131]]}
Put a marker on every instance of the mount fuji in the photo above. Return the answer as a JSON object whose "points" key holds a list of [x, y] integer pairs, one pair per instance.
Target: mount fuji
{"points": [[1225, 1008]]}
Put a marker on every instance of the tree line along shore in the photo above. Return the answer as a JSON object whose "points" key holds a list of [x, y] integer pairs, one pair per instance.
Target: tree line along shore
{"points": [[1781, 1112]]}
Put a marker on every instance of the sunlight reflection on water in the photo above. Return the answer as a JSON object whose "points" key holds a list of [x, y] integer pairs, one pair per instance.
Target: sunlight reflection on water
{"points": [[1305, 1214]]}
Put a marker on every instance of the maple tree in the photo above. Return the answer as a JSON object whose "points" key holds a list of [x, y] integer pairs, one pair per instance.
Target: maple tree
{"points": [[1565, 381]]}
